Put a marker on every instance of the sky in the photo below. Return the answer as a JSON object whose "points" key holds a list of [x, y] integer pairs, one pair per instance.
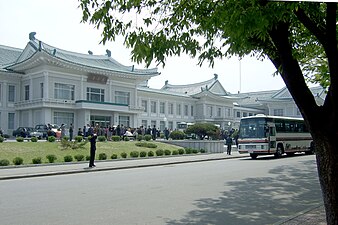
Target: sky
{"points": [[58, 23]]}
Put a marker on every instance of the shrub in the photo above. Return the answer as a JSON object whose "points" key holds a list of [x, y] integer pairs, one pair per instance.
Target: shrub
{"points": [[78, 138], [115, 138], [51, 139], [159, 152], [177, 135], [68, 158], [188, 150], [167, 152], [147, 137], [151, 154], [146, 145], [102, 156], [4, 162], [140, 137], [113, 156], [124, 155], [19, 139], [202, 151], [34, 139], [181, 151], [101, 138], [162, 136], [51, 158], [126, 139], [37, 160], [195, 151], [65, 138], [175, 152], [6, 135], [143, 154], [1, 139], [17, 161], [87, 157], [79, 157], [134, 154]]}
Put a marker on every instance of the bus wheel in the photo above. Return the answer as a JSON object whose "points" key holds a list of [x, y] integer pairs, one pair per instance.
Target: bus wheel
{"points": [[253, 156], [279, 151]]}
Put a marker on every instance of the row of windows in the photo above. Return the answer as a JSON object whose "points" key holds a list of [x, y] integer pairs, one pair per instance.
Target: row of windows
{"points": [[67, 92], [162, 108], [290, 126]]}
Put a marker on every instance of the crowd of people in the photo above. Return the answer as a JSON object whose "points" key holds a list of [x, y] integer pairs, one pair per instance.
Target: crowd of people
{"points": [[123, 131]]}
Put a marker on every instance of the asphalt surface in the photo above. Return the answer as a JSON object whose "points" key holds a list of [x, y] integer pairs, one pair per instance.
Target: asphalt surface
{"points": [[307, 217]]}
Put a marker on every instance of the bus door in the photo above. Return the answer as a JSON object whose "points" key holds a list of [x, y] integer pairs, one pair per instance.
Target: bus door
{"points": [[271, 135]]}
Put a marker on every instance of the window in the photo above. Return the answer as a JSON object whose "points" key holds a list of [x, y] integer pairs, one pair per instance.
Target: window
{"points": [[41, 90], [219, 111], [0, 93], [192, 110], [170, 125], [186, 110], [95, 94], [278, 112], [245, 114], [63, 117], [11, 93], [145, 105], [171, 108], [64, 91], [153, 123], [26, 92], [124, 120], [178, 109], [162, 125], [229, 112], [144, 123], [153, 107], [162, 107], [122, 97], [238, 114], [11, 120], [209, 111]]}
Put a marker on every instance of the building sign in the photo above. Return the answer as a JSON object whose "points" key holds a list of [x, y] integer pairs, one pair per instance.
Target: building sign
{"points": [[97, 79]]}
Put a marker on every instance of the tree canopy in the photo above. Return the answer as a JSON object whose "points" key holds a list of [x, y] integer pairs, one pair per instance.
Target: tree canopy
{"points": [[299, 38]]}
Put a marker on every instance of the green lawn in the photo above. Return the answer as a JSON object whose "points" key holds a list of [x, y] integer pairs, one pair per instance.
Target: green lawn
{"points": [[29, 150]]}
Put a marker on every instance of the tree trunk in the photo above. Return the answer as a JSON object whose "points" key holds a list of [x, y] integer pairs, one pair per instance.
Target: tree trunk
{"points": [[327, 163]]}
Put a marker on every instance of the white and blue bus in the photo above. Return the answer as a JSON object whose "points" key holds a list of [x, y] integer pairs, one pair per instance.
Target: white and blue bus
{"points": [[267, 135]]}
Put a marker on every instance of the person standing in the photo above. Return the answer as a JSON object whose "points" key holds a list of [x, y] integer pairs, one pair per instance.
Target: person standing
{"points": [[92, 140], [166, 133], [63, 130], [228, 142], [71, 131]]}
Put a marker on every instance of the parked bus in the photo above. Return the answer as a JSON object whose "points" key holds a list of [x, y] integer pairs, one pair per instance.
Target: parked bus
{"points": [[182, 126], [267, 135]]}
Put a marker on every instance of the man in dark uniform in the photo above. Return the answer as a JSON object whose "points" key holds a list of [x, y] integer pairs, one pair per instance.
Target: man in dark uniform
{"points": [[92, 149]]}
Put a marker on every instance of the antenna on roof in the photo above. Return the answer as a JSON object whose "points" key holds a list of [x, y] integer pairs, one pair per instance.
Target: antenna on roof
{"points": [[166, 82], [31, 36], [215, 76], [90, 52], [132, 68], [108, 52], [54, 51]]}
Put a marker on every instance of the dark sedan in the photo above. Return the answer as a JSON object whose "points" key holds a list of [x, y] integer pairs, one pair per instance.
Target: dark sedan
{"points": [[27, 132]]}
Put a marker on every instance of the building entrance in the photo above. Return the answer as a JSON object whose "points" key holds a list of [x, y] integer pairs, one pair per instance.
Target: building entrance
{"points": [[102, 121]]}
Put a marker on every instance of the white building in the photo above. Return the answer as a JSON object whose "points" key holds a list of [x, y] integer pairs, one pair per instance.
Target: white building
{"points": [[43, 84]]}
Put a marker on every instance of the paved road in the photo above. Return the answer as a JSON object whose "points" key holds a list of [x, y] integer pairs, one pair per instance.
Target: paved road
{"points": [[232, 191]]}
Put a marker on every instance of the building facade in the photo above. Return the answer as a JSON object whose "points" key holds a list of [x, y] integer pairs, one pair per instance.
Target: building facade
{"points": [[42, 84]]}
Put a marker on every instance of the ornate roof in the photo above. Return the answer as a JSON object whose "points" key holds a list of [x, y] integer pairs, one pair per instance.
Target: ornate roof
{"points": [[97, 62], [213, 85], [8, 55]]}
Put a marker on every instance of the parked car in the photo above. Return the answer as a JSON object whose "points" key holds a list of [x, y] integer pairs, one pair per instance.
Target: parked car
{"points": [[27, 132], [44, 129]]}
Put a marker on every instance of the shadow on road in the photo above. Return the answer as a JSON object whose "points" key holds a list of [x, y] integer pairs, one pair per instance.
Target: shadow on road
{"points": [[263, 200]]}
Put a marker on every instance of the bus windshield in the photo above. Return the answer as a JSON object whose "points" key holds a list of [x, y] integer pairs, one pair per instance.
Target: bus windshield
{"points": [[252, 128]]}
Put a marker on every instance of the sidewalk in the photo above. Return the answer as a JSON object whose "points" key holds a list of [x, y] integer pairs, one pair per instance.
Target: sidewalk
{"points": [[307, 217]]}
